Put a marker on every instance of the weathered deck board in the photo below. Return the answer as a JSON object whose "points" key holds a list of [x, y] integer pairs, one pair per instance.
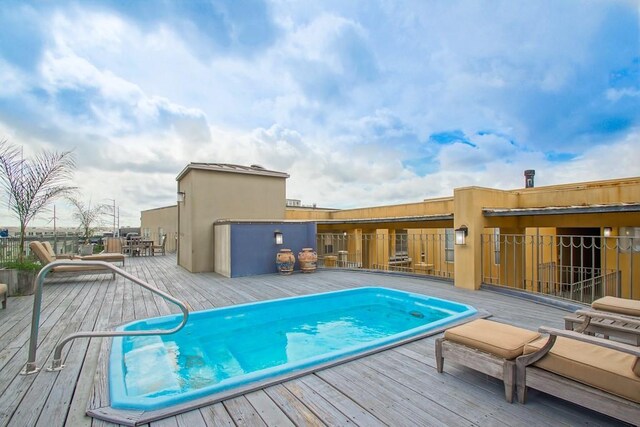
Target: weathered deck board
{"points": [[397, 387]]}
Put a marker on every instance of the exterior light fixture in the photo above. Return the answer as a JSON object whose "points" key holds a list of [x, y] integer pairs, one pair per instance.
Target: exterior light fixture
{"points": [[277, 235], [180, 196], [606, 232], [461, 235]]}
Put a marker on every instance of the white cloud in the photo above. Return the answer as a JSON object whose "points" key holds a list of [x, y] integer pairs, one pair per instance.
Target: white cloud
{"points": [[343, 99]]}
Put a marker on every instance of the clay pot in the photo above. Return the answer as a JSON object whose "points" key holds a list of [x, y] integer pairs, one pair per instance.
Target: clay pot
{"points": [[285, 261], [307, 259]]}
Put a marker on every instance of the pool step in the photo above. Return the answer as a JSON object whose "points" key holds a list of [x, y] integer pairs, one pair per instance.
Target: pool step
{"points": [[151, 368]]}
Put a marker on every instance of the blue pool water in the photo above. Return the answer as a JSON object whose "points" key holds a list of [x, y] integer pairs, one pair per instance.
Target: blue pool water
{"points": [[229, 347]]}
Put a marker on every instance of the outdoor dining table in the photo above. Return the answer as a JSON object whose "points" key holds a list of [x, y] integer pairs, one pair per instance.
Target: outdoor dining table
{"points": [[141, 247]]}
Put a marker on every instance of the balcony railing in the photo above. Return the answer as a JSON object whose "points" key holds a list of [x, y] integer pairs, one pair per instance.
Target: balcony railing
{"points": [[423, 254], [579, 268]]}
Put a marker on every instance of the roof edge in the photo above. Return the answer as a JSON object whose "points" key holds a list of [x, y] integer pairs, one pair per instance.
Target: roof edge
{"points": [[231, 168]]}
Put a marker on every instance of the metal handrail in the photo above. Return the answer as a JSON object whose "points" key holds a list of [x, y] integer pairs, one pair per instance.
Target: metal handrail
{"points": [[56, 364]]}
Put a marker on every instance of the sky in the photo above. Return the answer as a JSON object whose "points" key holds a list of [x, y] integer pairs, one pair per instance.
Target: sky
{"points": [[362, 103]]}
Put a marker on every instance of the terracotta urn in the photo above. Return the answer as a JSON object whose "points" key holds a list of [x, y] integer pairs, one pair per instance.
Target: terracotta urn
{"points": [[285, 261], [307, 259]]}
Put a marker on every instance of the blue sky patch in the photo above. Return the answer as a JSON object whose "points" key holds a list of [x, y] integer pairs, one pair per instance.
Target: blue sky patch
{"points": [[558, 157], [450, 137]]}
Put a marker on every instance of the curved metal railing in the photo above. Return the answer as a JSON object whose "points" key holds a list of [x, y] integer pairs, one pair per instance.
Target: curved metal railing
{"points": [[56, 364]]}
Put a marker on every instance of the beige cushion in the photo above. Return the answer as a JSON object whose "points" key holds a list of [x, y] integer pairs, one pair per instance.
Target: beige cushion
{"points": [[103, 257], [3, 288], [49, 248], [79, 268], [599, 367], [617, 305], [43, 254], [501, 340]]}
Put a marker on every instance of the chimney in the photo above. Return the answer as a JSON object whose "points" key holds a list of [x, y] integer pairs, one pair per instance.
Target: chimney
{"points": [[528, 175]]}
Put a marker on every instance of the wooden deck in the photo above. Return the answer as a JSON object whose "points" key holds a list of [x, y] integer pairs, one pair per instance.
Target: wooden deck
{"points": [[396, 387]]}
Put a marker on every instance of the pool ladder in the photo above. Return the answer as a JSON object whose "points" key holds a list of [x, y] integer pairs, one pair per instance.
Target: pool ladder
{"points": [[56, 364]]}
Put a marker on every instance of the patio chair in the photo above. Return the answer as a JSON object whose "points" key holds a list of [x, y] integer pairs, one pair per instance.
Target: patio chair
{"points": [[113, 245], [596, 373], [160, 248], [102, 256], [485, 346], [45, 258], [612, 317]]}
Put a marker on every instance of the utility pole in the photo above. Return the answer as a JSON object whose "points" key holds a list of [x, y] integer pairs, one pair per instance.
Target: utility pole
{"points": [[55, 231], [116, 216]]}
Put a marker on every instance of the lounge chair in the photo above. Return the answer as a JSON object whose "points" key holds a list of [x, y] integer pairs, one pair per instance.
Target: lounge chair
{"points": [[103, 256], [485, 346], [593, 372], [45, 258], [610, 316]]}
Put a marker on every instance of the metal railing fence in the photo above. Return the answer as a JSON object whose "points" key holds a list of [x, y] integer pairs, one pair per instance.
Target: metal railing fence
{"points": [[576, 267], [425, 254], [62, 244]]}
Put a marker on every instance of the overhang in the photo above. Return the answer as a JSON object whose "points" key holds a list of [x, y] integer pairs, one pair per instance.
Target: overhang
{"points": [[563, 210], [415, 218]]}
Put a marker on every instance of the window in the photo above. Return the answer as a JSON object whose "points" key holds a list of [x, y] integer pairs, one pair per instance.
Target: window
{"points": [[496, 246], [448, 244], [402, 245]]}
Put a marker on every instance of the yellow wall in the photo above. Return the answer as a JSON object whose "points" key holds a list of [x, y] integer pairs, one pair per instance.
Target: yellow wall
{"points": [[620, 259]]}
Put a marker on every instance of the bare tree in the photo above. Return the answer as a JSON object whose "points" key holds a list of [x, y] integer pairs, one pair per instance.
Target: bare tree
{"points": [[31, 184], [88, 216]]}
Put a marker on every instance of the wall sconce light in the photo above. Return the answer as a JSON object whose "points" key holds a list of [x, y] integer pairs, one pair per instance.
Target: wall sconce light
{"points": [[180, 196], [461, 235], [277, 235], [606, 232]]}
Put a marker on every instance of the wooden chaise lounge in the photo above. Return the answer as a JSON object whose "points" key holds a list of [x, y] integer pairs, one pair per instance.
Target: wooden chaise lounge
{"points": [[610, 316], [45, 258], [593, 372], [596, 373], [485, 346], [102, 256]]}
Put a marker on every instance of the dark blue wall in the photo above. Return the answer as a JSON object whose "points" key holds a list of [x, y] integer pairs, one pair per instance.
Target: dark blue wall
{"points": [[253, 246]]}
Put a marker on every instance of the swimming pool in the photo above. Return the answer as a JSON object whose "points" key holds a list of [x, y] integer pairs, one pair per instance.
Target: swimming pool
{"points": [[231, 348]]}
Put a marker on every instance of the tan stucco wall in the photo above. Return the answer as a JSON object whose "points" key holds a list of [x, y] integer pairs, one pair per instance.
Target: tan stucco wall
{"points": [[185, 219], [163, 220], [213, 195]]}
